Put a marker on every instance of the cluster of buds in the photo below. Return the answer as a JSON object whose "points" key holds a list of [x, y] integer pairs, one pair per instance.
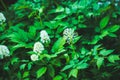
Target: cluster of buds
{"points": [[44, 37], [4, 51], [69, 35], [2, 18]]}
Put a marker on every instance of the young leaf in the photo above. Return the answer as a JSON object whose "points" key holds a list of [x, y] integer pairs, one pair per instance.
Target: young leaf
{"points": [[41, 71], [104, 22], [74, 73], [114, 28], [25, 74], [113, 58], [58, 77], [82, 66], [105, 52], [100, 62], [67, 67]]}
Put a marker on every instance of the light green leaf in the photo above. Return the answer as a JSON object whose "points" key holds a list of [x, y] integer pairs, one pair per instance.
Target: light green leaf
{"points": [[104, 22], [112, 35], [41, 71], [22, 66], [105, 52], [58, 45], [67, 67], [114, 28], [58, 77], [100, 62], [82, 66], [25, 74], [59, 17], [113, 58], [74, 73]]}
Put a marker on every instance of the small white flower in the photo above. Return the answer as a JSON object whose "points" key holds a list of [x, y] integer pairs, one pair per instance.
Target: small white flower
{"points": [[34, 57], [69, 35], [44, 37], [38, 47], [4, 51], [2, 18]]}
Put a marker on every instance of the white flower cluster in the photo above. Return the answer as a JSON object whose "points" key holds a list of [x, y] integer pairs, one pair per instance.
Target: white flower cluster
{"points": [[38, 48], [4, 51], [44, 37], [69, 35], [2, 18]]}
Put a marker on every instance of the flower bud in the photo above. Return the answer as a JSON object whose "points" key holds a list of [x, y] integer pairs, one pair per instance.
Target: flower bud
{"points": [[34, 57]]}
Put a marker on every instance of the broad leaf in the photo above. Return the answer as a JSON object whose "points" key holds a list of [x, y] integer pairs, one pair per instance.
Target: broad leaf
{"points": [[58, 77], [113, 58], [58, 45], [100, 62], [74, 73], [41, 71], [104, 22]]}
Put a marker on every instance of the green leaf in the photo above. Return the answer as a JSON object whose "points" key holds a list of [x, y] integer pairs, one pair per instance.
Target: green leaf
{"points": [[104, 22], [58, 77], [41, 71], [32, 32], [82, 66], [113, 58], [100, 62], [22, 66], [112, 35], [105, 52], [14, 60], [114, 28], [25, 74], [74, 73], [58, 45], [67, 67], [59, 17]]}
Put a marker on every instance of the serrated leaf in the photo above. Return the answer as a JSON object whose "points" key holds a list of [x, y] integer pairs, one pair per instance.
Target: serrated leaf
{"points": [[74, 73], [41, 71], [113, 58], [104, 22], [58, 77], [58, 45], [99, 62]]}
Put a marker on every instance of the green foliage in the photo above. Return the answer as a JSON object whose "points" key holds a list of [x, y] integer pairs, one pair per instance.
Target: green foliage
{"points": [[91, 54]]}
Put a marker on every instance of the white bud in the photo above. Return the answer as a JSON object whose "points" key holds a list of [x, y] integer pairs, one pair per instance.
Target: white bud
{"points": [[44, 37], [2, 18], [4, 51], [38, 47], [34, 57]]}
